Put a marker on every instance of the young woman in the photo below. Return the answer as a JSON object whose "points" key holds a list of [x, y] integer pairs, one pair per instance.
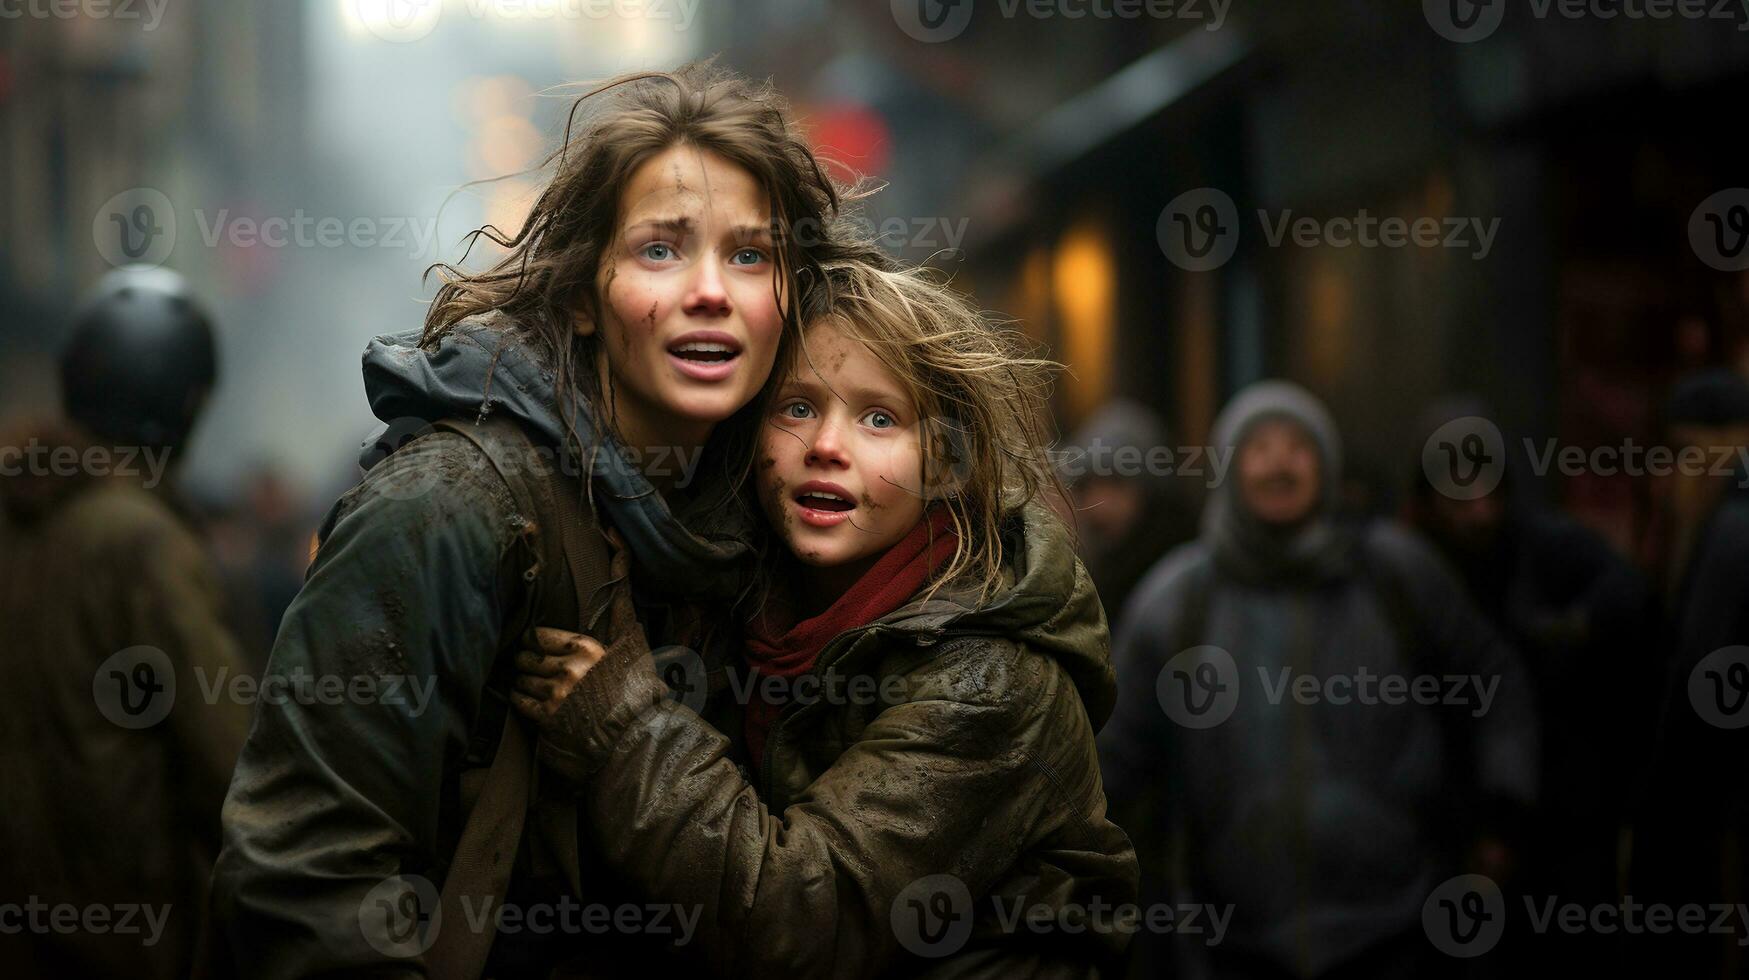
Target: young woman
{"points": [[920, 689], [638, 311]]}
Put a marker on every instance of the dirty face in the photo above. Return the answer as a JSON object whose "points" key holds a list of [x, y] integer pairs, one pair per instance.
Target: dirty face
{"points": [[841, 457], [1279, 472], [689, 299]]}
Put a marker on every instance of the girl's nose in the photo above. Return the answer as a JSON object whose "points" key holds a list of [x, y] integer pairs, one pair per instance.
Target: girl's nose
{"points": [[827, 448]]}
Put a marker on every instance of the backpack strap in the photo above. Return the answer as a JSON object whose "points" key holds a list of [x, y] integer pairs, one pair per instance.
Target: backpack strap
{"points": [[566, 588]]}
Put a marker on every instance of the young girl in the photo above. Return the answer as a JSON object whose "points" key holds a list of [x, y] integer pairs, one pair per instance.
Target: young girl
{"points": [[638, 311], [921, 688]]}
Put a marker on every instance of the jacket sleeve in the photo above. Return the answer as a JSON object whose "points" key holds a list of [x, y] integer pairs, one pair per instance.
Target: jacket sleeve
{"points": [[403, 608], [958, 778]]}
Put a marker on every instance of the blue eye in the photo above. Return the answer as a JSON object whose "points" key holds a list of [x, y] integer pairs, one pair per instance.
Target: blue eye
{"points": [[881, 420], [796, 410], [650, 251], [747, 256]]}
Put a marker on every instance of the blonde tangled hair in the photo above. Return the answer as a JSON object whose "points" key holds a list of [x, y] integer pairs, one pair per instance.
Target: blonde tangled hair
{"points": [[980, 391]]}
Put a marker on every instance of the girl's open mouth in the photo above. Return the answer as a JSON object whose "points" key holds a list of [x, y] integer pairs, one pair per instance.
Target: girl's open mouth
{"points": [[823, 504]]}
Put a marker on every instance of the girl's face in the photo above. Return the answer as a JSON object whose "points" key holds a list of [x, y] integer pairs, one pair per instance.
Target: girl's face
{"points": [[689, 313], [841, 458]]}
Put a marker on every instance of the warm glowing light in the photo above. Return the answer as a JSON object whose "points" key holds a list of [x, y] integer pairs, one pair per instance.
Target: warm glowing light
{"points": [[1084, 278]]}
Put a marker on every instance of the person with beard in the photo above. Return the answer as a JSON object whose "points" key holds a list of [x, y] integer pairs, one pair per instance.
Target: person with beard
{"points": [[1128, 514], [1322, 818], [1578, 613]]}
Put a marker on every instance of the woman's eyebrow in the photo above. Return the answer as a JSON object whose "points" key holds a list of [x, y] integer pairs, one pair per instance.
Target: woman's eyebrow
{"points": [[758, 233], [678, 226]]}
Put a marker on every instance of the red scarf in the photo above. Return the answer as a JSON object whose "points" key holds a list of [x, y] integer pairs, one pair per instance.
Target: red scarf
{"points": [[778, 646]]}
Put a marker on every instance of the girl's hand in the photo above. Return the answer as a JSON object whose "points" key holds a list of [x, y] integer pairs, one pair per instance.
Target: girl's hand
{"points": [[570, 684], [551, 672]]}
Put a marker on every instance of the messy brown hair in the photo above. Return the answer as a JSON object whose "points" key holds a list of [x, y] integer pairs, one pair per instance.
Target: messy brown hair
{"points": [[980, 391], [548, 276]]}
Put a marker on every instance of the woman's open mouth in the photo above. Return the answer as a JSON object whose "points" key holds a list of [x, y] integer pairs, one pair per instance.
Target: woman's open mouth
{"points": [[823, 504], [705, 355]]}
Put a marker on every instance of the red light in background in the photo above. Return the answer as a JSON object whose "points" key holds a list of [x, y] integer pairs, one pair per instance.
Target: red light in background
{"points": [[850, 136]]}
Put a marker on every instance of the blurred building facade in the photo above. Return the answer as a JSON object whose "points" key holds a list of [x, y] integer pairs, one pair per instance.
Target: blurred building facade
{"points": [[1586, 144]]}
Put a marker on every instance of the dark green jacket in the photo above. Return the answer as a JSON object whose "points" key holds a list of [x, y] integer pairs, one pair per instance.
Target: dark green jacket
{"points": [[892, 836], [419, 593]]}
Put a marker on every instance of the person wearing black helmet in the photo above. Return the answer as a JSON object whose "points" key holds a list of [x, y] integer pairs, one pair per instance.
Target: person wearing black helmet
{"points": [[117, 736]]}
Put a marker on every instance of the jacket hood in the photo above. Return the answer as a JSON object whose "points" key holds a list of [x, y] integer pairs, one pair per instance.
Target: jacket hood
{"points": [[479, 367], [1048, 603], [1245, 546]]}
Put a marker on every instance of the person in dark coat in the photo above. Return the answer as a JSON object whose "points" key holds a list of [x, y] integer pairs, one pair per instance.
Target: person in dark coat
{"points": [[114, 752], [1252, 760], [1131, 503], [1582, 617], [1689, 838]]}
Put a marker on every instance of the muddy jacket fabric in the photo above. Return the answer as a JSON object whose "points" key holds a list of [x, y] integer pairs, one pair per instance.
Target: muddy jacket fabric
{"points": [[112, 797], [416, 594], [919, 830]]}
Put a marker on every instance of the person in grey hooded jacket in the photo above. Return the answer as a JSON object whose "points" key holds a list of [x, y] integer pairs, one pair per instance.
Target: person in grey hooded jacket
{"points": [[1314, 724]]}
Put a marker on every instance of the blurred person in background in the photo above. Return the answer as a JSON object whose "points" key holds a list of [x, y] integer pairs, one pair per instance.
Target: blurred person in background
{"points": [[1689, 834], [261, 542], [1322, 823], [115, 764], [1128, 512], [1581, 617]]}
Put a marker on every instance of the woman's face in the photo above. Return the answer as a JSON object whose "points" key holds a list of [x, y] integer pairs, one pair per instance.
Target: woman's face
{"points": [[841, 458], [689, 302]]}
